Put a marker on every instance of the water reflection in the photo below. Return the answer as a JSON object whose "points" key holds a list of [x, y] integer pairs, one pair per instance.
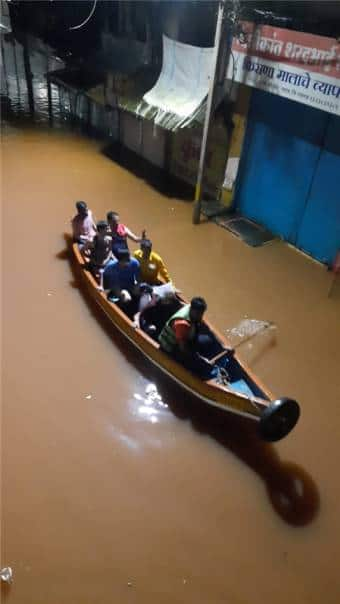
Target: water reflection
{"points": [[126, 439], [148, 407], [26, 66], [150, 404], [23, 80], [6, 574], [291, 490]]}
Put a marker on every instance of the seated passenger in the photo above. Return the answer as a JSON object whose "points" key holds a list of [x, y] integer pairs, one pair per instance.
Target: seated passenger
{"points": [[83, 226], [161, 304], [152, 267], [99, 251], [122, 276], [120, 233], [181, 338]]}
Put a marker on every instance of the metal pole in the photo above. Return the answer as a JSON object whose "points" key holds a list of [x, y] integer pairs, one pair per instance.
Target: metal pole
{"points": [[4, 65], [16, 68], [29, 75], [208, 115], [89, 115], [49, 96]]}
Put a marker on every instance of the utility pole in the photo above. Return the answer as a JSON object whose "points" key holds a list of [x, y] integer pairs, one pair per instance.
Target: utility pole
{"points": [[28, 73], [222, 45]]}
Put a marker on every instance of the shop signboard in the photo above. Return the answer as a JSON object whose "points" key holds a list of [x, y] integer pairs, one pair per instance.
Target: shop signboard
{"points": [[292, 64]]}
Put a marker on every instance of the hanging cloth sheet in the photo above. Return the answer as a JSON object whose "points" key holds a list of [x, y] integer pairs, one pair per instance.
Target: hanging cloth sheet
{"points": [[182, 86]]}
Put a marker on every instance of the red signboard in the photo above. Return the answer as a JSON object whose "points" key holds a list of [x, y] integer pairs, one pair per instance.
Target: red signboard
{"points": [[296, 65]]}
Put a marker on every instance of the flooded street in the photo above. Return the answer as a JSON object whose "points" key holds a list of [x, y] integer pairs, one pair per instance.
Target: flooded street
{"points": [[111, 496]]}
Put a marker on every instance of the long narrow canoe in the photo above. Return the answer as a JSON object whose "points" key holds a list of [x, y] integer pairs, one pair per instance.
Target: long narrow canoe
{"points": [[242, 394]]}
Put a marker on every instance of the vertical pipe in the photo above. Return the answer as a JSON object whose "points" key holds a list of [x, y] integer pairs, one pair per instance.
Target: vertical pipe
{"points": [[4, 65], [29, 76], [61, 110], [209, 112], [49, 97], [89, 115], [71, 112], [16, 68], [141, 121], [119, 125]]}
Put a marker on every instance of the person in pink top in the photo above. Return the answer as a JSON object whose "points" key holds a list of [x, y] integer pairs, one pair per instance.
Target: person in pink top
{"points": [[83, 226], [120, 233]]}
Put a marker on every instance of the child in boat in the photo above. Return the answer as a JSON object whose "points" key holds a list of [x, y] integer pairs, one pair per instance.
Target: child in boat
{"points": [[99, 251], [152, 267], [120, 233], [83, 225]]}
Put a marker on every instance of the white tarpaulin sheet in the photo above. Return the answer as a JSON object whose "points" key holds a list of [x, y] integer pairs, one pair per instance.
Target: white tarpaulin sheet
{"points": [[182, 85]]}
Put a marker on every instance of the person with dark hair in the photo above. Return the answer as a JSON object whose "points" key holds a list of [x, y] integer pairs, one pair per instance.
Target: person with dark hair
{"points": [[83, 225], [120, 233], [99, 251], [122, 277], [156, 305], [187, 339], [152, 267]]}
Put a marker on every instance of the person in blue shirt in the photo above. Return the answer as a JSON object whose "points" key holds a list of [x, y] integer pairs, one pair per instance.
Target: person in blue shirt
{"points": [[122, 277]]}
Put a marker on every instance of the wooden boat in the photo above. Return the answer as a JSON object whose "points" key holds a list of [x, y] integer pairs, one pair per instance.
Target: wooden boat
{"points": [[242, 393]]}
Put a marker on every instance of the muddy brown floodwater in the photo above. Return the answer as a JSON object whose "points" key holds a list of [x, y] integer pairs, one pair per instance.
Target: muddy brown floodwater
{"points": [[109, 499]]}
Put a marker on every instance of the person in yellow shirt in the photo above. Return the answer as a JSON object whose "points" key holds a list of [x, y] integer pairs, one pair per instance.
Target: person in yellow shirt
{"points": [[152, 267]]}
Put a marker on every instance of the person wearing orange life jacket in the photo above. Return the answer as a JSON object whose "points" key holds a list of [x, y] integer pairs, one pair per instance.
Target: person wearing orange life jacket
{"points": [[181, 338]]}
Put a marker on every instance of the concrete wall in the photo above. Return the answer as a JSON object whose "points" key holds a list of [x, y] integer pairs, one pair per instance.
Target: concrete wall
{"points": [[142, 137]]}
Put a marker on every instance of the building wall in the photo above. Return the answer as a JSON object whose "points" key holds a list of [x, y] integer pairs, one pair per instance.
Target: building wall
{"points": [[239, 120], [185, 154], [144, 138], [288, 177]]}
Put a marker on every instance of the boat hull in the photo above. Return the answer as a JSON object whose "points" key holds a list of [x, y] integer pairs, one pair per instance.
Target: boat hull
{"points": [[209, 392]]}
